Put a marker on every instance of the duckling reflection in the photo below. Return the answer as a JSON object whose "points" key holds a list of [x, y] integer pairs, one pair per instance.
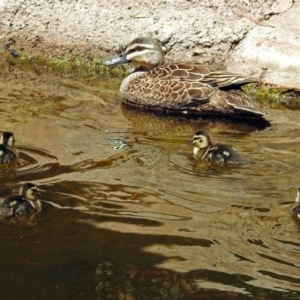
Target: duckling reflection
{"points": [[296, 209], [205, 150], [24, 203], [7, 151]]}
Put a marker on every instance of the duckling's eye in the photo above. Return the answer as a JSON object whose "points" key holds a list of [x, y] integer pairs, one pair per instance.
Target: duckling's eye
{"points": [[139, 48]]}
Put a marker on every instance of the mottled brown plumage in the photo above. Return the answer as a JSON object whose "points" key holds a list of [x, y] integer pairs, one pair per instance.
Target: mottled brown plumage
{"points": [[181, 87]]}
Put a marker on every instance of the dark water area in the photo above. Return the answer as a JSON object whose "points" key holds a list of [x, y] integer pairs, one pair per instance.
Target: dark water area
{"points": [[127, 212]]}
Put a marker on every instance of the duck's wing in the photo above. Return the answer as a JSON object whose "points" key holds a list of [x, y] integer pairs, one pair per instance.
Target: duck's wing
{"points": [[199, 73], [193, 96], [238, 101], [149, 91]]}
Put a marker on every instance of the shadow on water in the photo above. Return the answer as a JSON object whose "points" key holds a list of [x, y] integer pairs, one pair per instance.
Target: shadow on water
{"points": [[128, 213], [69, 253]]}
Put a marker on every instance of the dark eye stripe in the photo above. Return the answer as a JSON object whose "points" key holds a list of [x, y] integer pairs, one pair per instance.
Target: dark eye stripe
{"points": [[135, 49]]}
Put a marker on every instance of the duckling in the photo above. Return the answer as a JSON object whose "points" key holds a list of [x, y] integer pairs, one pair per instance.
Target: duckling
{"points": [[25, 202], [7, 151], [215, 153], [296, 209]]}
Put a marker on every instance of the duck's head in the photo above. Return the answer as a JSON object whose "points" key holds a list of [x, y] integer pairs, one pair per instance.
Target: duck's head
{"points": [[142, 51], [7, 138], [29, 191], [202, 139]]}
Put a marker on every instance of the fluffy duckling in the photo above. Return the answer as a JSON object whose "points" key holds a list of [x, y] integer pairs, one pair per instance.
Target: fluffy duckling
{"points": [[205, 150], [7, 152], [25, 202], [296, 209]]}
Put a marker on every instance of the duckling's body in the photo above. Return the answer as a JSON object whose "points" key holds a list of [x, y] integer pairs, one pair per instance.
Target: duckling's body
{"points": [[296, 209], [206, 151], [24, 203], [7, 151], [181, 87]]}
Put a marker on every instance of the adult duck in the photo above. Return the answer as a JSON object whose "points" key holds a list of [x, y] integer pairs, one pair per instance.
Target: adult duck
{"points": [[184, 88]]}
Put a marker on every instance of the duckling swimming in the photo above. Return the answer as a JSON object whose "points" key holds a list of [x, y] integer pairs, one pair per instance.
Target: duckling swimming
{"points": [[7, 152], [296, 209], [215, 153], [25, 202]]}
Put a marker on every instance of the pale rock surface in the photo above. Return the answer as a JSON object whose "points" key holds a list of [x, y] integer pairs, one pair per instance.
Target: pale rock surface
{"points": [[207, 31]]}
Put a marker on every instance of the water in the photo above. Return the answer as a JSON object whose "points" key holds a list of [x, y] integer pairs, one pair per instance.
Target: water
{"points": [[128, 214]]}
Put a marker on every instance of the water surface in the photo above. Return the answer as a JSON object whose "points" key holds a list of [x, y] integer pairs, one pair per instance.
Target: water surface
{"points": [[128, 213]]}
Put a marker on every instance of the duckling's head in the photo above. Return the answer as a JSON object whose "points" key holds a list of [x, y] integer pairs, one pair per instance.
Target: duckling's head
{"points": [[142, 51], [202, 139], [29, 191], [7, 138]]}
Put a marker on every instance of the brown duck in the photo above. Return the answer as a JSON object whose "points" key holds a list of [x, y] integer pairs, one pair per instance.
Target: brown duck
{"points": [[185, 88]]}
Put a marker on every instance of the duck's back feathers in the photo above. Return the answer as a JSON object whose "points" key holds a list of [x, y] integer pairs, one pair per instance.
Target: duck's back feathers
{"points": [[199, 73], [173, 88], [221, 153], [238, 102], [15, 205]]}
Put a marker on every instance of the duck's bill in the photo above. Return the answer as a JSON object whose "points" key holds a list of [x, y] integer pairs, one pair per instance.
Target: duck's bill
{"points": [[116, 60]]}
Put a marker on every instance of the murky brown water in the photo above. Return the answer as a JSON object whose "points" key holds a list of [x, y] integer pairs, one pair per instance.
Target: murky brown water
{"points": [[129, 214]]}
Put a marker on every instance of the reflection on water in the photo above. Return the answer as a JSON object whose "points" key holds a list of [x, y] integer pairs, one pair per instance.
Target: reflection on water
{"points": [[128, 213]]}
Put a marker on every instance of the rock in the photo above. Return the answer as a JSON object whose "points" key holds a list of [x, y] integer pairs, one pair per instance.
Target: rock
{"points": [[271, 54], [207, 31]]}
